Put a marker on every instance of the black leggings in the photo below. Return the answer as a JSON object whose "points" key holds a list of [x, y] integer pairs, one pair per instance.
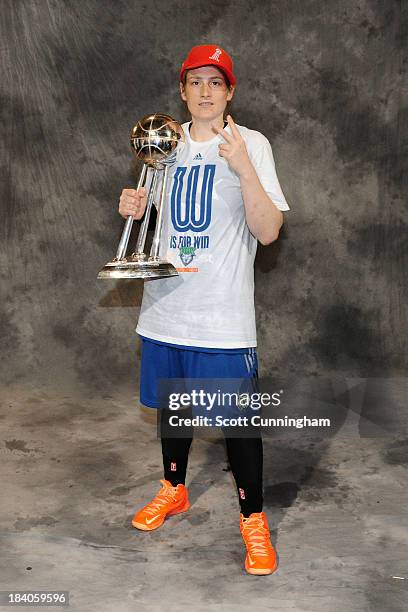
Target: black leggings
{"points": [[245, 456]]}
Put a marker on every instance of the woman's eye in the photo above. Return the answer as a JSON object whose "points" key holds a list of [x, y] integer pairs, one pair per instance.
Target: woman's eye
{"points": [[216, 83]]}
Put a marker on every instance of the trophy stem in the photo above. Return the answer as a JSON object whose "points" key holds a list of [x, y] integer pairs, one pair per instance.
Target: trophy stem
{"points": [[123, 244], [141, 239], [154, 252]]}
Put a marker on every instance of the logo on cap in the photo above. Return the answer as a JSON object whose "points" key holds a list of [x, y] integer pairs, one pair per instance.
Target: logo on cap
{"points": [[216, 55]]}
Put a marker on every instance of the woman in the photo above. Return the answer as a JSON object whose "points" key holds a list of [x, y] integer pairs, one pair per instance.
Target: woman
{"points": [[223, 196]]}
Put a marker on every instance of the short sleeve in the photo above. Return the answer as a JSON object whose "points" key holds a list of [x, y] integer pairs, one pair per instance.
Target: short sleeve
{"points": [[261, 155]]}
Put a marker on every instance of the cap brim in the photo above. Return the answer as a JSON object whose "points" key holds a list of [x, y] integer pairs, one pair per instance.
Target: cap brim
{"points": [[229, 76]]}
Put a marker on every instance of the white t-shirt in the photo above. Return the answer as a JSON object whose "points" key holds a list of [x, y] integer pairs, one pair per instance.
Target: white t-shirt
{"points": [[206, 237]]}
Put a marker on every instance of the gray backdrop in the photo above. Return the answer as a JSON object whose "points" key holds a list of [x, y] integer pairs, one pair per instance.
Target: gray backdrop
{"points": [[325, 81]]}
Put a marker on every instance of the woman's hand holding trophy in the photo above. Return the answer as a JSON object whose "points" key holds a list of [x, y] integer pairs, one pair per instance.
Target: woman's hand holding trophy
{"points": [[133, 203]]}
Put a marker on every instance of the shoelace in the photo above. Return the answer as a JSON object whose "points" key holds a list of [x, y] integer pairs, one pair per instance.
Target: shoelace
{"points": [[162, 498], [256, 536]]}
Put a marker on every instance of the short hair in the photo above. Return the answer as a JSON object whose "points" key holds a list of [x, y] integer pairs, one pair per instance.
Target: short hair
{"points": [[184, 78]]}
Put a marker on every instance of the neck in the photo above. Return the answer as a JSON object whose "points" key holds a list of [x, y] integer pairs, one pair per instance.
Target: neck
{"points": [[201, 130]]}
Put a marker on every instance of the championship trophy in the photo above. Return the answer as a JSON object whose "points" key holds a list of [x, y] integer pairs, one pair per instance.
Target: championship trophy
{"points": [[156, 140]]}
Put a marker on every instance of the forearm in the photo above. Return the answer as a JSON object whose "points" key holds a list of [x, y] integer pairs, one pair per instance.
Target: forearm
{"points": [[264, 219]]}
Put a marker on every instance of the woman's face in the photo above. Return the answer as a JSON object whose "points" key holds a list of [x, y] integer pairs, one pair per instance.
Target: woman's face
{"points": [[206, 92]]}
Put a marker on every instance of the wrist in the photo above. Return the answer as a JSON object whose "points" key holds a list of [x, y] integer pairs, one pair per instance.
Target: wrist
{"points": [[247, 172]]}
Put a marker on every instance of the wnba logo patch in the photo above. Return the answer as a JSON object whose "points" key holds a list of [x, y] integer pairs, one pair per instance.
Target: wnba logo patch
{"points": [[216, 55], [173, 466], [241, 493]]}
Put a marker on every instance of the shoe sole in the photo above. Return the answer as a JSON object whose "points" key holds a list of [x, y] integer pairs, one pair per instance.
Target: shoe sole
{"points": [[171, 513]]}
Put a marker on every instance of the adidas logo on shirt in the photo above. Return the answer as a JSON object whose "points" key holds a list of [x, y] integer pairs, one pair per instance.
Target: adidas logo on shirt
{"points": [[198, 156]]}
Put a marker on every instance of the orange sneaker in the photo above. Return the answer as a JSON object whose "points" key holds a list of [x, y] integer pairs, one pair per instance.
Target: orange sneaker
{"points": [[261, 556], [169, 500]]}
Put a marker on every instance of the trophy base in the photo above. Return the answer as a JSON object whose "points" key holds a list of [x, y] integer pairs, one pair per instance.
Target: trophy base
{"points": [[138, 269]]}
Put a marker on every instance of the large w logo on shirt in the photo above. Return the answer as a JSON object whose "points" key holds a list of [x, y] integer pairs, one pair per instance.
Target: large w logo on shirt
{"points": [[185, 214]]}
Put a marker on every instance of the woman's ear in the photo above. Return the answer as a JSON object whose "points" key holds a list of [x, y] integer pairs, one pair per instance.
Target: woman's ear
{"points": [[182, 94], [230, 93]]}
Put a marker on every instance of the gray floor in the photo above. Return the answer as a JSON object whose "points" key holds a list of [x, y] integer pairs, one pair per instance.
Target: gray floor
{"points": [[74, 470]]}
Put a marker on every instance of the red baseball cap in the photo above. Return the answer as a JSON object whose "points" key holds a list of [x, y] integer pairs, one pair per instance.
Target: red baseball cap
{"points": [[206, 55]]}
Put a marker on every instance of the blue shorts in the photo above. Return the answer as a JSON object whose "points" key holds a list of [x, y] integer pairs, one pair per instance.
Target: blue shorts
{"points": [[161, 360]]}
